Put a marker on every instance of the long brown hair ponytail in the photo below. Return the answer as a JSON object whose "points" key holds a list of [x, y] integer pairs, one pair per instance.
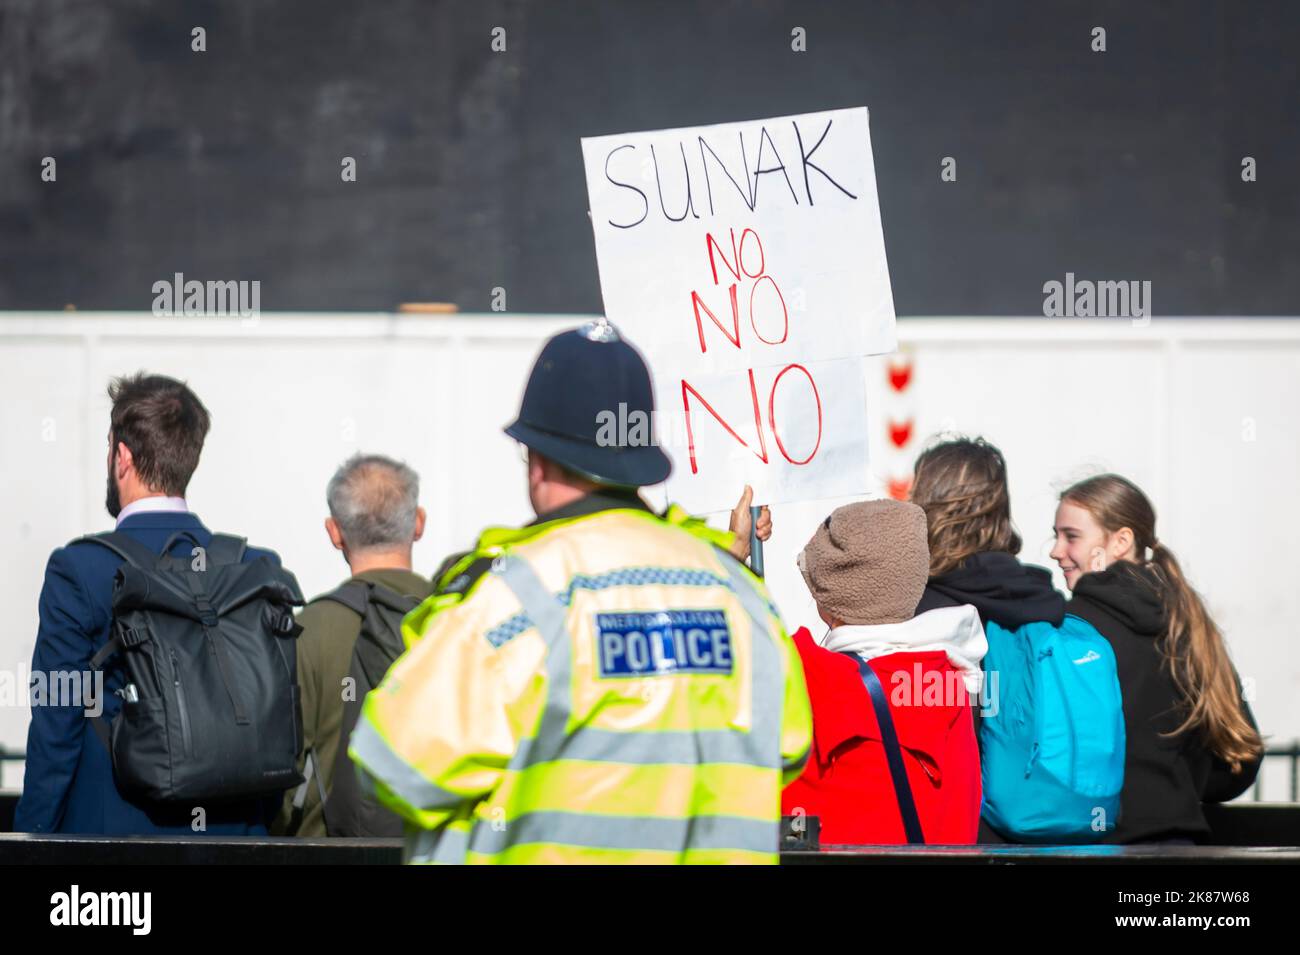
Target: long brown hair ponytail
{"points": [[1192, 645]]}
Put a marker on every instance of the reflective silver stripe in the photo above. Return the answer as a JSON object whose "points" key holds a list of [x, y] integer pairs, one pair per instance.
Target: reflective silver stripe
{"points": [[750, 598], [550, 618], [405, 781], [766, 686], [648, 748], [446, 846], [629, 832], [420, 846], [546, 612]]}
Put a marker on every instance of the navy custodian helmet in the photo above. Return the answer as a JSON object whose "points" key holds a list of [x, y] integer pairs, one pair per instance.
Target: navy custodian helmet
{"points": [[581, 378]]}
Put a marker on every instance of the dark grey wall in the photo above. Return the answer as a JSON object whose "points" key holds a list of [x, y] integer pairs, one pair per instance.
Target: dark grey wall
{"points": [[225, 164]]}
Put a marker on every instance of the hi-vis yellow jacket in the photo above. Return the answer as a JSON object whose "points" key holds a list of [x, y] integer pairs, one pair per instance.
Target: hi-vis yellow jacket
{"points": [[616, 689]]}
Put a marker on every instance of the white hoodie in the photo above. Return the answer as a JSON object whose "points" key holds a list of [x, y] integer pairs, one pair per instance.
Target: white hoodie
{"points": [[954, 630]]}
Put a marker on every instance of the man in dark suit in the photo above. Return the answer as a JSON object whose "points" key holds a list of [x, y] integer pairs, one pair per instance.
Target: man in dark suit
{"points": [[156, 435]]}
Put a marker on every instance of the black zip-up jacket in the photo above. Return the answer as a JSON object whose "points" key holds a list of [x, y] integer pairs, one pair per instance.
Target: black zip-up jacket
{"points": [[1165, 778], [1001, 588]]}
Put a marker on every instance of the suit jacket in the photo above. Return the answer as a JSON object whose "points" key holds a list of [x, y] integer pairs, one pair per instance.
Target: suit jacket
{"points": [[68, 784]]}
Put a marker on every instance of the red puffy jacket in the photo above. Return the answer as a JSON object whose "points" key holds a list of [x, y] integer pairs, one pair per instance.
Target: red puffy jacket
{"points": [[847, 783]]}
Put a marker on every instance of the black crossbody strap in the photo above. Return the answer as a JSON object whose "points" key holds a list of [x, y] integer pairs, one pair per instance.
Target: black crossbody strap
{"points": [[893, 751]]}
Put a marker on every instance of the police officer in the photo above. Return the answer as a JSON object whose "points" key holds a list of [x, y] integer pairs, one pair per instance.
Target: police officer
{"points": [[603, 685]]}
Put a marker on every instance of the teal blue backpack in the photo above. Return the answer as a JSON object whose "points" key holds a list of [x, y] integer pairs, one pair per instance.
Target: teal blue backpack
{"points": [[1052, 733]]}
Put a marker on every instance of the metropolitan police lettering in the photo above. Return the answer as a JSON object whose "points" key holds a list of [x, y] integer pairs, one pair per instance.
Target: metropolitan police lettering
{"points": [[663, 642]]}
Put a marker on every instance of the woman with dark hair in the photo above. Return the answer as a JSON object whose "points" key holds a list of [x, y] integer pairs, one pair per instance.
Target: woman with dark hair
{"points": [[961, 485], [1191, 737]]}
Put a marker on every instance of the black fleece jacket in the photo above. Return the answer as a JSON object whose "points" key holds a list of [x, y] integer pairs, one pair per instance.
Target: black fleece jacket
{"points": [[1001, 588], [1165, 778]]}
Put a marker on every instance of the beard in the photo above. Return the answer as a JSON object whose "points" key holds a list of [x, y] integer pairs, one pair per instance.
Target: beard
{"points": [[113, 500]]}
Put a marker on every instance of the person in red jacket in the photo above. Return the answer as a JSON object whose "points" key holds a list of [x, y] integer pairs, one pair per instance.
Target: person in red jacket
{"points": [[866, 567]]}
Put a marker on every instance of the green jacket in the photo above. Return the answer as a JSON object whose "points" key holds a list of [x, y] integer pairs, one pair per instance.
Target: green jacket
{"points": [[325, 647]]}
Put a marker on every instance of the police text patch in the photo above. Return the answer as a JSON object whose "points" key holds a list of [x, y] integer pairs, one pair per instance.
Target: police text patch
{"points": [[663, 642]]}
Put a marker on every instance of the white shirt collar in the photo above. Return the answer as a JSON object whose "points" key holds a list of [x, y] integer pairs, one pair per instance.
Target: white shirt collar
{"points": [[153, 505]]}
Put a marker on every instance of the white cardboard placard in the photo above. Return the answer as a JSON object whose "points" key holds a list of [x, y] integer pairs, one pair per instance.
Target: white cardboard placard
{"points": [[747, 262]]}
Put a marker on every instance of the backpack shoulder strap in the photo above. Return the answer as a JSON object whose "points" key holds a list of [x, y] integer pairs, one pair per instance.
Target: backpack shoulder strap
{"points": [[893, 751], [137, 555], [460, 572], [123, 545], [227, 549], [355, 595], [390, 598]]}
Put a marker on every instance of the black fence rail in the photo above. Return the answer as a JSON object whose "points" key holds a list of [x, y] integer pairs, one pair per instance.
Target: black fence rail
{"points": [[1244, 825], [1289, 751], [22, 849]]}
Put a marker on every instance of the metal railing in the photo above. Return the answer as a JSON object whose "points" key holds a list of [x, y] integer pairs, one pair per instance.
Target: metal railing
{"points": [[1289, 751]]}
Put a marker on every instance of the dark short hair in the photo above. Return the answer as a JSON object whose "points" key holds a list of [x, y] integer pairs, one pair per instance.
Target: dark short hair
{"points": [[164, 424]]}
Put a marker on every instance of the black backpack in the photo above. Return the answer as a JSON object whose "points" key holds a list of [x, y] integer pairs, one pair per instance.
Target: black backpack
{"points": [[349, 811], [210, 709]]}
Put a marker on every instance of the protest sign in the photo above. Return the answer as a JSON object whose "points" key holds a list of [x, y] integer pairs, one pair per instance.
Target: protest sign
{"points": [[747, 262]]}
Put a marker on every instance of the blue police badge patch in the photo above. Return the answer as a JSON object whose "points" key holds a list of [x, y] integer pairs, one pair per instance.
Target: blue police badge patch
{"points": [[663, 642]]}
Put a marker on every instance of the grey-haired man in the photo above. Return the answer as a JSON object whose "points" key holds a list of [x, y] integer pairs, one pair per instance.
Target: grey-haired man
{"points": [[375, 519]]}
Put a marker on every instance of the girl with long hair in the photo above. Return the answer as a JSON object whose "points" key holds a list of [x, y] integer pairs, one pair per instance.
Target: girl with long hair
{"points": [[1191, 738]]}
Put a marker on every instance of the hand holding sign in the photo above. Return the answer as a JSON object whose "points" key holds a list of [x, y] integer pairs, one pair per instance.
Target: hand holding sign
{"points": [[744, 526]]}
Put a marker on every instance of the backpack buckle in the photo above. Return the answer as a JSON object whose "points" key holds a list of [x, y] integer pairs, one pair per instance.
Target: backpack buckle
{"points": [[130, 637], [207, 616]]}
